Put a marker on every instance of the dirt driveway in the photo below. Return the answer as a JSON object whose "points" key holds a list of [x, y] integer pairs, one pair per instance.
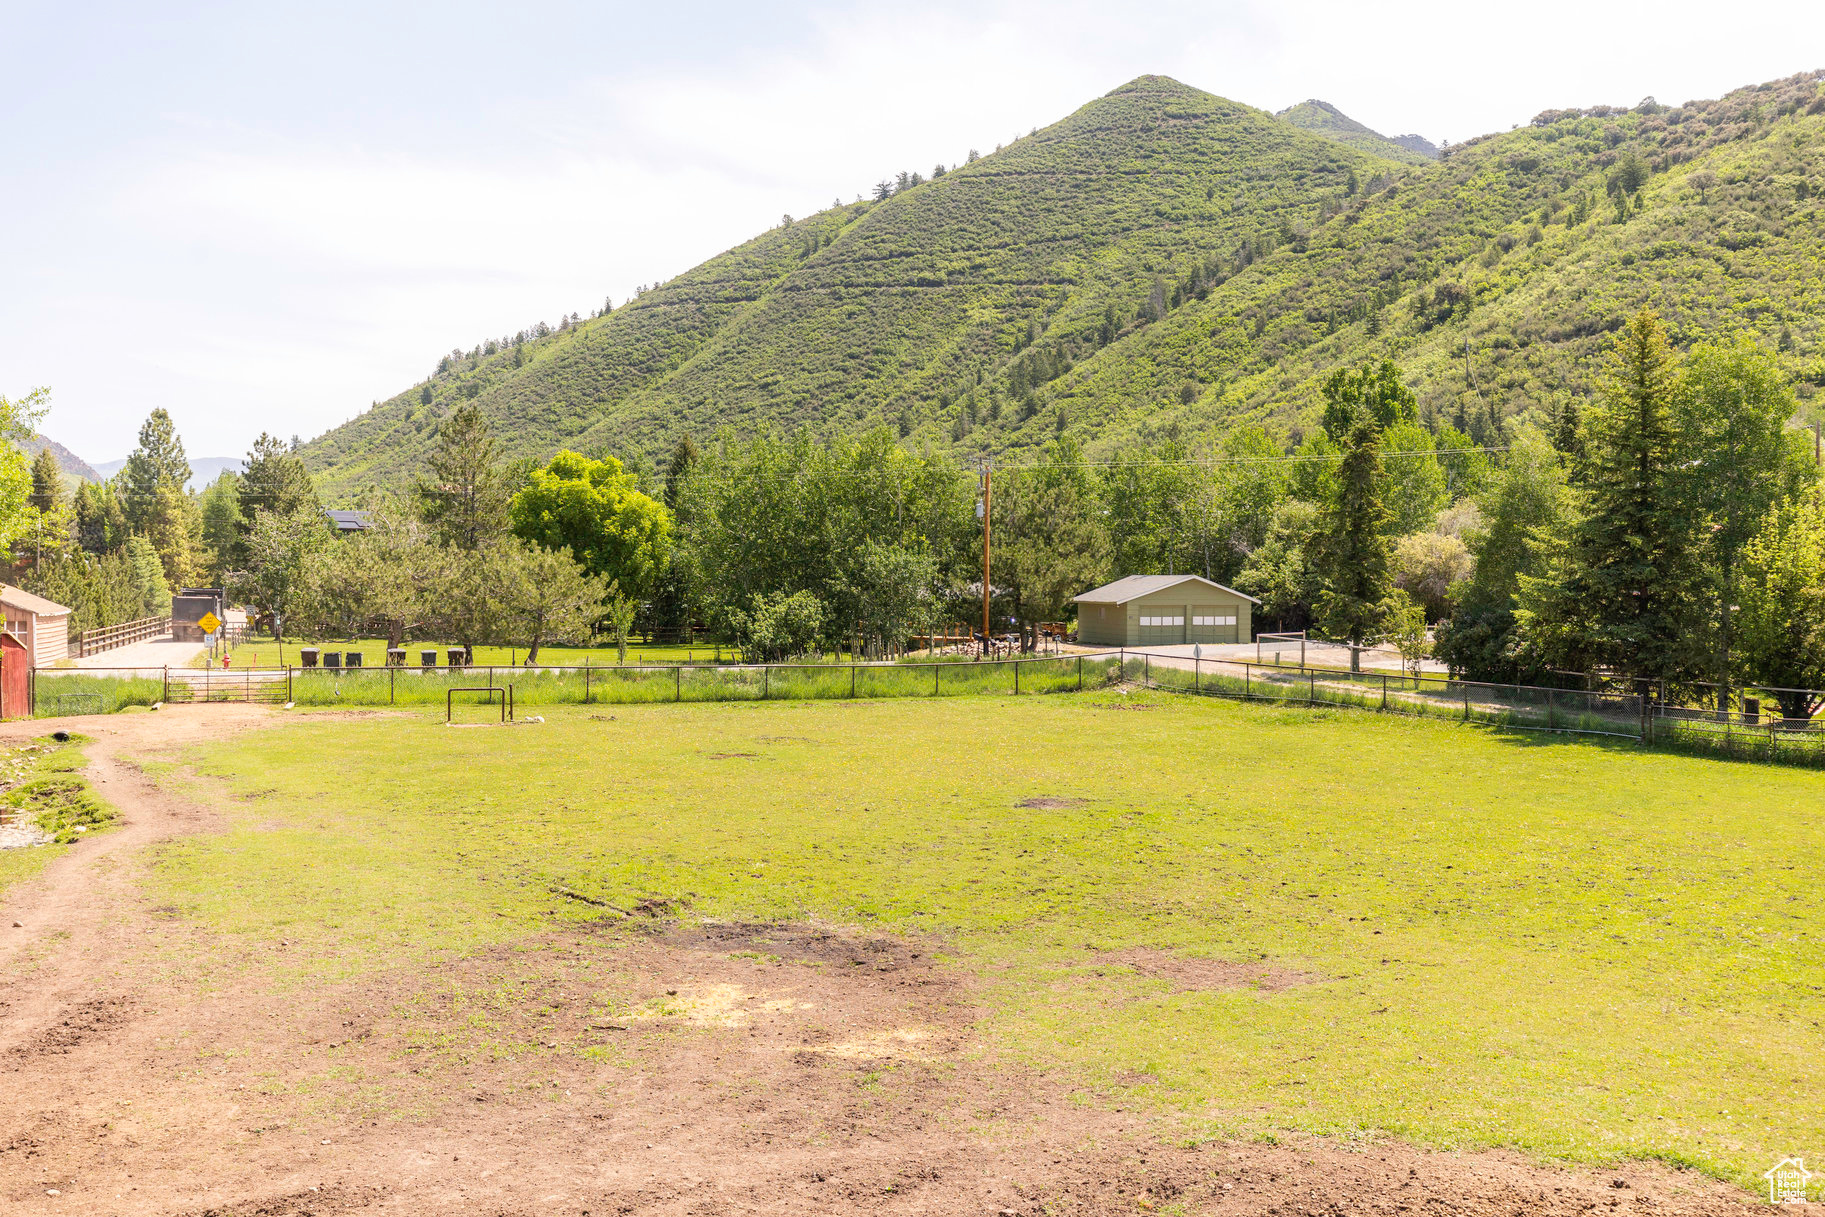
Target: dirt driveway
{"points": [[657, 1067]]}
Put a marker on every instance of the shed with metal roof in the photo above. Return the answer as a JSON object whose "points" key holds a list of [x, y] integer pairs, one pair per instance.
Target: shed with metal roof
{"points": [[41, 626], [1153, 610]]}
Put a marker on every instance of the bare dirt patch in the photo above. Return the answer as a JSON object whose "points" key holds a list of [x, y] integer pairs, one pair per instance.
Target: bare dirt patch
{"points": [[1050, 802], [797, 943], [89, 1020], [731, 756], [1190, 973]]}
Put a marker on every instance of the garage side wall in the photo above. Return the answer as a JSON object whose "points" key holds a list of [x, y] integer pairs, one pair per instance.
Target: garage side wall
{"points": [[1103, 625]]}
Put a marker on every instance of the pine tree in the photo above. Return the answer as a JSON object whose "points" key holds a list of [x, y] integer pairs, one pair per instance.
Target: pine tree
{"points": [[463, 497], [47, 482], [1355, 551], [1620, 587], [101, 524], [684, 458], [276, 480], [158, 461]]}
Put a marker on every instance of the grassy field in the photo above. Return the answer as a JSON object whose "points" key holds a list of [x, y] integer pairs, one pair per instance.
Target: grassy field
{"points": [[1579, 948]]}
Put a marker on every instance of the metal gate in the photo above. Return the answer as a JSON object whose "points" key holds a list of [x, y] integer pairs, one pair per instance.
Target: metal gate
{"points": [[269, 687]]}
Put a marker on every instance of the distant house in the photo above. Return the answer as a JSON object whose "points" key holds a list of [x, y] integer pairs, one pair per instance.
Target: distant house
{"points": [[1149, 610], [41, 626], [347, 522]]}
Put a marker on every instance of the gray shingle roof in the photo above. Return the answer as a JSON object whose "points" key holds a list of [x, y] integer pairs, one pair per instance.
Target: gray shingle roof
{"points": [[1133, 587]]}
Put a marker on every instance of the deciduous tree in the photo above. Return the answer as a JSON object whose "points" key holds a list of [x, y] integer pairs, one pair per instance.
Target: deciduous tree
{"points": [[591, 509]]}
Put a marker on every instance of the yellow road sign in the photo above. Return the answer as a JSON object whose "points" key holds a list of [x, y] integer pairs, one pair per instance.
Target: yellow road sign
{"points": [[209, 622]]}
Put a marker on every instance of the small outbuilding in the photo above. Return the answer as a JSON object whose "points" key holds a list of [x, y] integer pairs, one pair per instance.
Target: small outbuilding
{"points": [[41, 626], [1151, 610]]}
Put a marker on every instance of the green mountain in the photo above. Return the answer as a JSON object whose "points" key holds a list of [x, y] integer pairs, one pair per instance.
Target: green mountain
{"points": [[1322, 118], [1166, 262]]}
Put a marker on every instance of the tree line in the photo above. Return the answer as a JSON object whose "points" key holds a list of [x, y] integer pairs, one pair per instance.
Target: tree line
{"points": [[1672, 527]]}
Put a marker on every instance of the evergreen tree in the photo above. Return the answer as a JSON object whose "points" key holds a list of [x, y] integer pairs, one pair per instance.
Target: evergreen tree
{"points": [[158, 461], [684, 458], [1619, 587], [101, 522], [1354, 553], [463, 497], [149, 594], [276, 480], [47, 482], [172, 525]]}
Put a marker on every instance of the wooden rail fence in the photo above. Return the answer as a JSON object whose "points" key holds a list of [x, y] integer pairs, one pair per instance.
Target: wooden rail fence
{"points": [[94, 642]]}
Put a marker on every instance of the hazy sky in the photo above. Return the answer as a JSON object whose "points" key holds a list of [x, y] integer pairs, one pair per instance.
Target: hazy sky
{"points": [[265, 217]]}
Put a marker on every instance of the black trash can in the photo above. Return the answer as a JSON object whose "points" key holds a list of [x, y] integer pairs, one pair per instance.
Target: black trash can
{"points": [[307, 656], [352, 660], [427, 659], [332, 660]]}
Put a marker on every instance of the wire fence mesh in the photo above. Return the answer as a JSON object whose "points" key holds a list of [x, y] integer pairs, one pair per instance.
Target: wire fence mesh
{"points": [[560, 685], [1619, 709], [1636, 710]]}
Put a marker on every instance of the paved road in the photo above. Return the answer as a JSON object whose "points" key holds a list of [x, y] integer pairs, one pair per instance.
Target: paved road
{"points": [[153, 653], [1319, 655], [161, 652]]}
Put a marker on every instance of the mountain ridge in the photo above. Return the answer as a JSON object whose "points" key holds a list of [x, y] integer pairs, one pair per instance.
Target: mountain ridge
{"points": [[1166, 261], [1323, 118]]}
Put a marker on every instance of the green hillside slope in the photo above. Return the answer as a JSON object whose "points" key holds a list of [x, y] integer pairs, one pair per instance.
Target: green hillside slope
{"points": [[902, 308], [1322, 118], [1165, 261], [1494, 279]]}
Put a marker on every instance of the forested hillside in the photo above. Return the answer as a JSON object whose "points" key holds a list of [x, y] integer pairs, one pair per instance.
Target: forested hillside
{"points": [[1166, 262]]}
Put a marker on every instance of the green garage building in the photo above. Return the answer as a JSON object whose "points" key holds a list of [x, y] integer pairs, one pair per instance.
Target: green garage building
{"points": [[1147, 610]]}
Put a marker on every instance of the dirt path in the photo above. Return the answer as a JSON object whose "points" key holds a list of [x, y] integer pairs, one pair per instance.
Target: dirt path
{"points": [[59, 930], [649, 1067]]}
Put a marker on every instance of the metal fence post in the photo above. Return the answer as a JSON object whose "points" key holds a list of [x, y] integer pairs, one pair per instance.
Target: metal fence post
{"points": [[1384, 690], [852, 680], [1197, 674], [766, 679], [677, 682], [1017, 678], [391, 692], [1147, 669], [288, 689], [1080, 673], [1311, 688], [166, 695], [937, 668], [1466, 703]]}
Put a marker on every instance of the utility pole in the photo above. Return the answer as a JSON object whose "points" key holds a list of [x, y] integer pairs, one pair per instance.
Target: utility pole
{"points": [[988, 473]]}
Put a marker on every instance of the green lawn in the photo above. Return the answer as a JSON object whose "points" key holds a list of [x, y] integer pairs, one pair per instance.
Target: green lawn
{"points": [[1581, 949]]}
